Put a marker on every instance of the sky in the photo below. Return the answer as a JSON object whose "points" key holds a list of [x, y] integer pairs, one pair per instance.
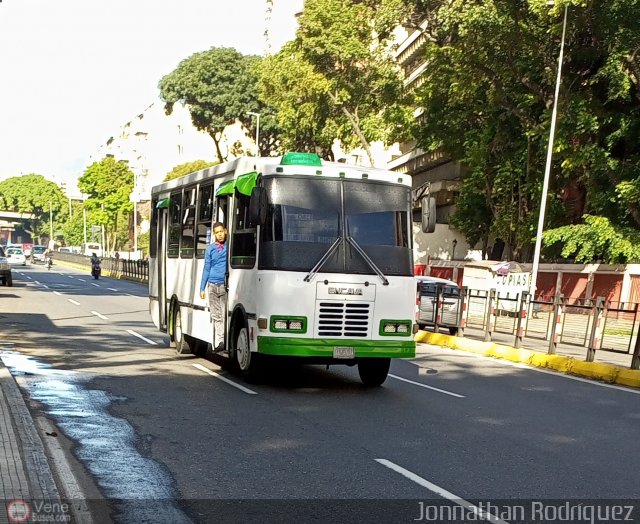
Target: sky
{"points": [[72, 72]]}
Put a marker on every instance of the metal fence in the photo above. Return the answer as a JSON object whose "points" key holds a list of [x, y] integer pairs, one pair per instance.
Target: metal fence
{"points": [[137, 270], [596, 325]]}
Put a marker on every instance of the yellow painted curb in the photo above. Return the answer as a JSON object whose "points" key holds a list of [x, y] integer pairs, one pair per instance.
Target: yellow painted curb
{"points": [[629, 377], [594, 370], [563, 364]]}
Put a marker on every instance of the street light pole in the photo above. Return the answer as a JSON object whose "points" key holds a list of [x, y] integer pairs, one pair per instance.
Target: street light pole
{"points": [[257, 115], [50, 223], [547, 170]]}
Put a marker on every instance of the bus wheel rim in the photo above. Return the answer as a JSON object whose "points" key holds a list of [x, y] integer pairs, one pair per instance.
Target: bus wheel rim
{"points": [[242, 350], [177, 328]]}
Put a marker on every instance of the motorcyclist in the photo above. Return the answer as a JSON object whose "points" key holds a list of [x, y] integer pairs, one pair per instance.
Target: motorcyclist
{"points": [[95, 265], [48, 257]]}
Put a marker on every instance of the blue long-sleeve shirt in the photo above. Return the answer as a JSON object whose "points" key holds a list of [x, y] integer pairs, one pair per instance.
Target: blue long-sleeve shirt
{"points": [[215, 265]]}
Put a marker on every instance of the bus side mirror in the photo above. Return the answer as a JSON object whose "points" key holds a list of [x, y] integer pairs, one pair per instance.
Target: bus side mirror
{"points": [[258, 207], [428, 214]]}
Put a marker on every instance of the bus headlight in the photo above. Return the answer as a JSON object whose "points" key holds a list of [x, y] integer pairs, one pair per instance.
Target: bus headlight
{"points": [[401, 328], [282, 324]]}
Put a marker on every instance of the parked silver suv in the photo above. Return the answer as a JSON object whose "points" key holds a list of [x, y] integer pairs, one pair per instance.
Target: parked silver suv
{"points": [[5, 269]]}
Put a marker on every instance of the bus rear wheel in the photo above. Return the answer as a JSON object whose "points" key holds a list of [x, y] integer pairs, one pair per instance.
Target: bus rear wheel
{"points": [[179, 338], [373, 371], [248, 362]]}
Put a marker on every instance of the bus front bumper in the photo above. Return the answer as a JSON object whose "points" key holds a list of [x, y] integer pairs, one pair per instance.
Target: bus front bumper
{"points": [[325, 348]]}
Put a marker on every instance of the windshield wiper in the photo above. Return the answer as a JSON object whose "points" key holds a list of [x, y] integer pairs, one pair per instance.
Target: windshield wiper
{"points": [[324, 259], [368, 260]]}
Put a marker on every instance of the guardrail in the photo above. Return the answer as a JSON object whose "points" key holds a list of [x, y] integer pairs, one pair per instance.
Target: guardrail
{"points": [[137, 270], [596, 325]]}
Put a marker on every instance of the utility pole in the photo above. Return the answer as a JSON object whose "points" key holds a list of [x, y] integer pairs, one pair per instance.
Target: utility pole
{"points": [[50, 223]]}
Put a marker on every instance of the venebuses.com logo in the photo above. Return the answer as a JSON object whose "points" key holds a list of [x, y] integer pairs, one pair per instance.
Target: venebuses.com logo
{"points": [[18, 511]]}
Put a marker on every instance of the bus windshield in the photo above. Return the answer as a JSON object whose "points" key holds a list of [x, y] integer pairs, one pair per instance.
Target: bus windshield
{"points": [[307, 215]]}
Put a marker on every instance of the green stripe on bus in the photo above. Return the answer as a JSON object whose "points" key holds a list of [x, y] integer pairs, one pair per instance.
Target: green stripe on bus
{"points": [[309, 347]]}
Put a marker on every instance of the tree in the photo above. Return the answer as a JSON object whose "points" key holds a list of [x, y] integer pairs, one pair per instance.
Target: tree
{"points": [[35, 195], [219, 86], [596, 240], [108, 183], [487, 98], [337, 79], [187, 168]]}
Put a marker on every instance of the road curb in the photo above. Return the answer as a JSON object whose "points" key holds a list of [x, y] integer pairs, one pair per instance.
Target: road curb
{"points": [[34, 458], [567, 365]]}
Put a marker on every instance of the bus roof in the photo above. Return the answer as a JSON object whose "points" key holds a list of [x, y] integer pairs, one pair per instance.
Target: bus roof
{"points": [[290, 163]]}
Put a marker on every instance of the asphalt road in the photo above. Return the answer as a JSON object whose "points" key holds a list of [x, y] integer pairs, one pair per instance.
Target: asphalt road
{"points": [[183, 439]]}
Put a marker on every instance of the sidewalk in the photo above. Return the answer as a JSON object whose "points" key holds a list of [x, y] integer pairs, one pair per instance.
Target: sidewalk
{"points": [[608, 366], [25, 476]]}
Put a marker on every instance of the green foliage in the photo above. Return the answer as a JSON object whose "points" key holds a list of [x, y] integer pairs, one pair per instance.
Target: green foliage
{"points": [[596, 240], [338, 78], [108, 183], [487, 97], [218, 85], [36, 195], [187, 168], [143, 243], [73, 228]]}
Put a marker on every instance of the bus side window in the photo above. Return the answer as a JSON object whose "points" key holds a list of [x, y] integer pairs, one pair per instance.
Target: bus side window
{"points": [[222, 211], [188, 223], [205, 215], [243, 241], [175, 227]]}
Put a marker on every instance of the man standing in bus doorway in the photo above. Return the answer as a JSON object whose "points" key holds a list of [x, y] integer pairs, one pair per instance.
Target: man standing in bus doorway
{"points": [[213, 277]]}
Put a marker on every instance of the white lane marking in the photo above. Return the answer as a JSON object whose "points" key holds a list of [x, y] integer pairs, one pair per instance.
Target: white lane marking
{"points": [[112, 289], [73, 301], [132, 332], [57, 293], [37, 282], [97, 285], [29, 277], [224, 379], [427, 387], [478, 512], [70, 276], [99, 315], [82, 280], [558, 374], [45, 286]]}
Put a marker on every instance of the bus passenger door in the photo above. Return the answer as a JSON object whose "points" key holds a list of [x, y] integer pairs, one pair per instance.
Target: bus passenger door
{"points": [[222, 216], [161, 252]]}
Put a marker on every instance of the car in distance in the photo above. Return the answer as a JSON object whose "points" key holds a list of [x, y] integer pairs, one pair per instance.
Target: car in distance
{"points": [[15, 256], [5, 269], [427, 296], [37, 254]]}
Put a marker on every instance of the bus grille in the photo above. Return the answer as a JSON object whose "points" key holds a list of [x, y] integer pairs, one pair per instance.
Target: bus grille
{"points": [[343, 319]]}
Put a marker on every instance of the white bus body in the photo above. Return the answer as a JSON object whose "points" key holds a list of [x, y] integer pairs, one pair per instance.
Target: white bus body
{"points": [[320, 262], [92, 247]]}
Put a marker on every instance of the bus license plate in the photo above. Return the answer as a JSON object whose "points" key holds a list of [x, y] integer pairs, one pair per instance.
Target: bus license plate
{"points": [[344, 352]]}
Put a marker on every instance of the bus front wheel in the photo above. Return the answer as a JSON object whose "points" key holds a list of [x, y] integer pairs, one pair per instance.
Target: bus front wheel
{"points": [[248, 362], [180, 339], [373, 371]]}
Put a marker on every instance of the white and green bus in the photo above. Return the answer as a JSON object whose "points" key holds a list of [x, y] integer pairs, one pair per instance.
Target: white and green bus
{"points": [[320, 263]]}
